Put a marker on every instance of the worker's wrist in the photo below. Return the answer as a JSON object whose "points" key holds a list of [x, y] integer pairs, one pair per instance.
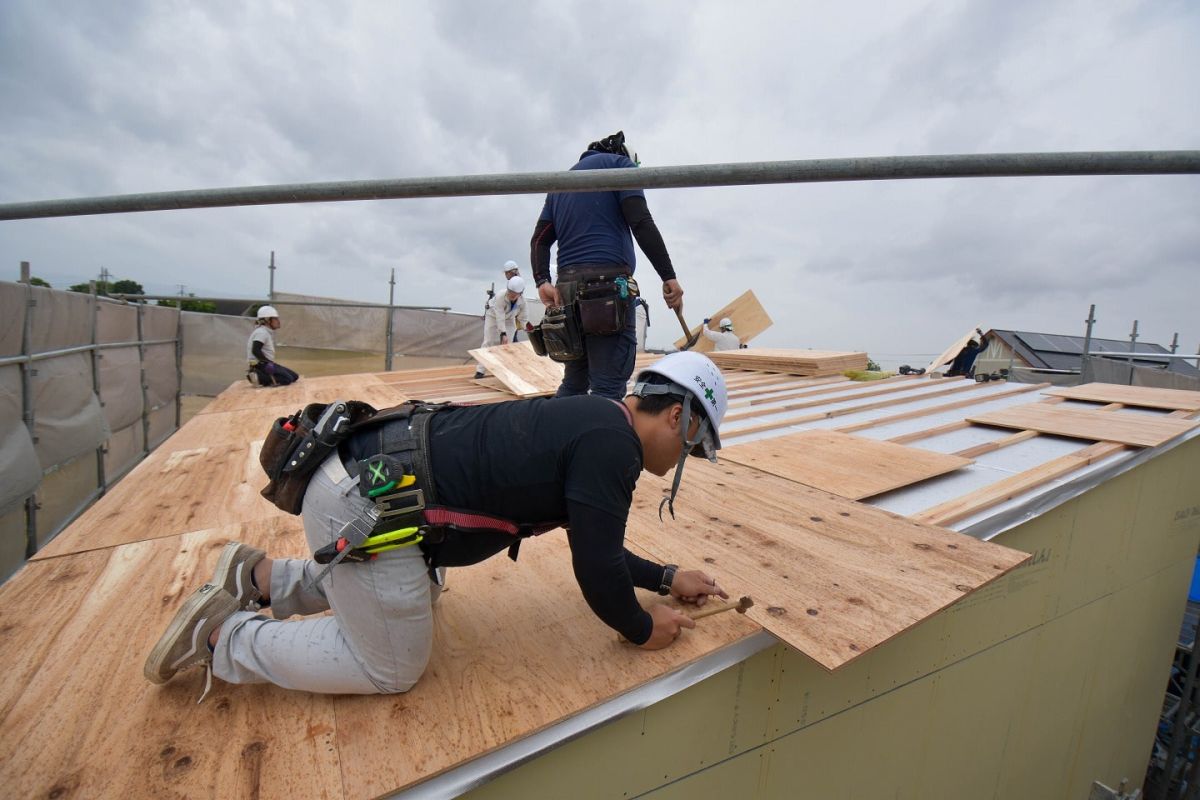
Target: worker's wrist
{"points": [[543, 279], [668, 578]]}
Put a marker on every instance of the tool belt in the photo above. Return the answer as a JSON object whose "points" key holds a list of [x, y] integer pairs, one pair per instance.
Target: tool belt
{"points": [[398, 479], [598, 307]]}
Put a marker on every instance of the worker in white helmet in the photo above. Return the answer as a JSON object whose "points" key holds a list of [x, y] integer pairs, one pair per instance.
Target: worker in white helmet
{"points": [[484, 471], [510, 270], [260, 352], [504, 316], [723, 339]]}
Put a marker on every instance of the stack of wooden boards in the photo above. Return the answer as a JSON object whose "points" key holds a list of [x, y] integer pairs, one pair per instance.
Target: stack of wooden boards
{"points": [[809, 363]]}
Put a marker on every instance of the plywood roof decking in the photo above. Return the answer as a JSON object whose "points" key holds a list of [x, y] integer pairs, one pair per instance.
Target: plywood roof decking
{"points": [[812, 363], [1099, 426], [831, 577], [1174, 399], [747, 314], [523, 371], [840, 463]]}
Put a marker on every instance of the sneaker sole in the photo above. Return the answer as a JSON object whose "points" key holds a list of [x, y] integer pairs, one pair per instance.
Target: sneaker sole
{"points": [[232, 580], [187, 622]]}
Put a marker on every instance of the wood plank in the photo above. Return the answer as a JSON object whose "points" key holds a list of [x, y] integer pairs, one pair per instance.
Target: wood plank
{"points": [[326, 389], [811, 363], [524, 372], [1006, 489], [842, 464], [923, 412], [747, 314], [952, 351], [863, 390], [1098, 426], [1141, 396], [831, 577], [80, 720], [838, 385]]}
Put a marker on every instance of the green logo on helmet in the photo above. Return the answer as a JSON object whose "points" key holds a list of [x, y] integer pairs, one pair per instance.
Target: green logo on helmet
{"points": [[708, 395]]}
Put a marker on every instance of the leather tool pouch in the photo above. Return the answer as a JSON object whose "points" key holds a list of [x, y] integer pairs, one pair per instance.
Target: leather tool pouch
{"points": [[537, 341], [560, 332], [601, 307]]}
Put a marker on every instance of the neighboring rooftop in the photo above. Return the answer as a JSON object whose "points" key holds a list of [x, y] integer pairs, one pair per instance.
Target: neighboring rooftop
{"points": [[1059, 352]]}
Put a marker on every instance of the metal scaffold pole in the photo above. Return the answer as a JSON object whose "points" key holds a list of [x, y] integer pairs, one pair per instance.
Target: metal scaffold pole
{"points": [[390, 313], [101, 480], [27, 373]]}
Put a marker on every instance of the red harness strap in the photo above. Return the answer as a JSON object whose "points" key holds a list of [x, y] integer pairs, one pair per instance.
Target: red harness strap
{"points": [[471, 520]]}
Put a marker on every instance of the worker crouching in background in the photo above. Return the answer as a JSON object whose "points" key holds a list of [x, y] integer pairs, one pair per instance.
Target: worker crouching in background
{"points": [[504, 316], [260, 352], [453, 486]]}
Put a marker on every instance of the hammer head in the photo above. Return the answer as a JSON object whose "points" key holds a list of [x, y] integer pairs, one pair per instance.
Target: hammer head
{"points": [[744, 604]]}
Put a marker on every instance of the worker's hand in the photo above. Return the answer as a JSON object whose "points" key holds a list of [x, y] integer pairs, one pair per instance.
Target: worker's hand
{"points": [[549, 295], [528, 326], [667, 625], [694, 586], [673, 294], [707, 320]]}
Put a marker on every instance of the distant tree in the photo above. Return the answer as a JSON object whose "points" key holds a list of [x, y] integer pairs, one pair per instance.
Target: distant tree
{"points": [[36, 281], [872, 366], [200, 306], [126, 286], [86, 288]]}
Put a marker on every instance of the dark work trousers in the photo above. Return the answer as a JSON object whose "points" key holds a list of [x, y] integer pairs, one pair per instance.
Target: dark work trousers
{"points": [[608, 360], [272, 374]]}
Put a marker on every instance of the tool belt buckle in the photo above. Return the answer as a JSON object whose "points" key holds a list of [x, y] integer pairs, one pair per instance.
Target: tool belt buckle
{"points": [[400, 503]]}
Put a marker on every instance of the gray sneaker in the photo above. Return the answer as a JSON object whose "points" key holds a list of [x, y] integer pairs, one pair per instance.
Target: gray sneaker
{"points": [[233, 572], [185, 642]]}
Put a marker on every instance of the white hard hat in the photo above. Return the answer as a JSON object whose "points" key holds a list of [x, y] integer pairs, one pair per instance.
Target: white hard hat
{"points": [[726, 322], [516, 284], [511, 266], [267, 312], [695, 375]]}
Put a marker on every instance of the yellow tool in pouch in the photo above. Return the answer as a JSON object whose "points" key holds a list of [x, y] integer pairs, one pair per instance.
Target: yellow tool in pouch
{"points": [[392, 540]]}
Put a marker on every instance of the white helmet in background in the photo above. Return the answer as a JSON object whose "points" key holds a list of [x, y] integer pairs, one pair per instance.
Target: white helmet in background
{"points": [[267, 312], [726, 324], [510, 266], [516, 284], [689, 375]]}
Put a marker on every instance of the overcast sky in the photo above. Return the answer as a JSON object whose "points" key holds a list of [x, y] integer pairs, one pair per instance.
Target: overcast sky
{"points": [[102, 98]]}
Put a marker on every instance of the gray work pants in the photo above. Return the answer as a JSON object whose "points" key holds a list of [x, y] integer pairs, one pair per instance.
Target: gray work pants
{"points": [[380, 636]]}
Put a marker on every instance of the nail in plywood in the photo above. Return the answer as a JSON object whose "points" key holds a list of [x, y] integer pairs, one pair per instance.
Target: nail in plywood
{"points": [[841, 464], [831, 577], [748, 316], [524, 372], [80, 720], [1099, 426], [1143, 396]]}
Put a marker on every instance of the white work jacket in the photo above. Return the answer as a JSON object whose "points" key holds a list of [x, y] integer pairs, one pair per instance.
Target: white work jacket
{"points": [[723, 340], [502, 316]]}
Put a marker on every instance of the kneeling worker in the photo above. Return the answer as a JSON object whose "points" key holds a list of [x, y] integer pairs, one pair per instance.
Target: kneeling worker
{"points": [[482, 487], [260, 352], [504, 316], [725, 339]]}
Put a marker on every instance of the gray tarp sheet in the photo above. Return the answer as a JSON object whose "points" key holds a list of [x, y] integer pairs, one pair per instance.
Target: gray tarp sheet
{"points": [[214, 351], [12, 317], [120, 390], [67, 417], [1108, 370], [19, 468]]}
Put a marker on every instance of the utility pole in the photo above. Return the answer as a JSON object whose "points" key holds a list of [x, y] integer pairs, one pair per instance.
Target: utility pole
{"points": [[1085, 363], [1175, 343], [271, 267], [25, 272], [1133, 336]]}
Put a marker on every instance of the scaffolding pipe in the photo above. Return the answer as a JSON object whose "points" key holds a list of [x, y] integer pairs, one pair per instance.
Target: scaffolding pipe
{"points": [[137, 298], [83, 348], [982, 165], [101, 481], [27, 373], [387, 361]]}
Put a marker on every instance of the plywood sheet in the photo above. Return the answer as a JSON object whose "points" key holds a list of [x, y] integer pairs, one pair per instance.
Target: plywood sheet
{"points": [[747, 314], [524, 372], [1095, 425], [1142, 396], [952, 351], [831, 577], [842, 464], [307, 390], [226, 427], [79, 719], [172, 492], [796, 362]]}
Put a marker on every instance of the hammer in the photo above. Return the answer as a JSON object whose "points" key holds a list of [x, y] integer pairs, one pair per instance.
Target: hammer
{"points": [[739, 607]]}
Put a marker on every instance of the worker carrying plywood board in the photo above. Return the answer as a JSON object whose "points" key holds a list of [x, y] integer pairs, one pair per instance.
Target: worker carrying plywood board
{"points": [[402, 494], [723, 339], [745, 313]]}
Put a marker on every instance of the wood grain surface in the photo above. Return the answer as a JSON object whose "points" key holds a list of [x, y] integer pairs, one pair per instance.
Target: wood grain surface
{"points": [[839, 463], [524, 372], [1096, 425], [831, 577], [1143, 396], [952, 351], [748, 316], [811, 363]]}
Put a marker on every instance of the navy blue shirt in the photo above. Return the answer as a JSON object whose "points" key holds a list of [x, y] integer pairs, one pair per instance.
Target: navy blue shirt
{"points": [[590, 226]]}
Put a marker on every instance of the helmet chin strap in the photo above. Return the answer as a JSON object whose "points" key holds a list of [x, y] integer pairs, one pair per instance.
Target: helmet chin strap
{"points": [[684, 423]]}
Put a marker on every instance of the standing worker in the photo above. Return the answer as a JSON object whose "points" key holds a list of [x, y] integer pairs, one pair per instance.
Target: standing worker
{"points": [[477, 479], [260, 352], [642, 314], [503, 316], [724, 339], [595, 270]]}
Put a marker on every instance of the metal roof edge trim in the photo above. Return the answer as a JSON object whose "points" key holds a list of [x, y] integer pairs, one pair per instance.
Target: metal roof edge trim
{"points": [[1010, 518], [459, 780]]}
